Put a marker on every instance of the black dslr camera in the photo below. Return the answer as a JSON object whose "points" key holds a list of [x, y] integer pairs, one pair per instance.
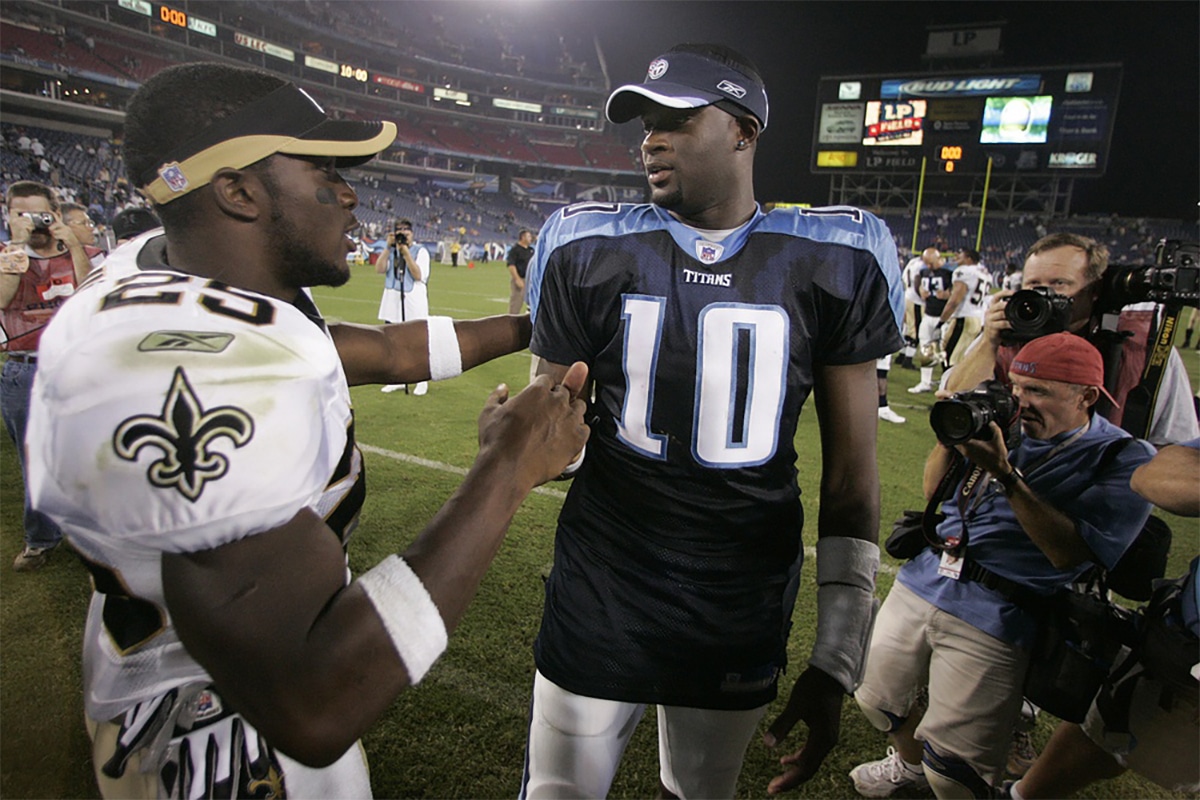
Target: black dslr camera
{"points": [[1173, 278], [1036, 312], [967, 415], [42, 220], [402, 235]]}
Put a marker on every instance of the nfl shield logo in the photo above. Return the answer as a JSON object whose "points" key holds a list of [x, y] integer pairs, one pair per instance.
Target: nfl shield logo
{"points": [[173, 176], [708, 252], [207, 705]]}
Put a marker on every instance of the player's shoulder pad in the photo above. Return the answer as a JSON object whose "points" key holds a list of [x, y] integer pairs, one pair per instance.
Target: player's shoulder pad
{"points": [[845, 225], [583, 220], [850, 227]]}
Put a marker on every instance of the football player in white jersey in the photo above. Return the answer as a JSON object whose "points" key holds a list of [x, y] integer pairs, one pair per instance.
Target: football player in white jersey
{"points": [[193, 435], [962, 318], [914, 304]]}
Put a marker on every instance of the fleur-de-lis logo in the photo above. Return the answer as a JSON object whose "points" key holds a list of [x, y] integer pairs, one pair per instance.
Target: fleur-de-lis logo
{"points": [[183, 432], [272, 785]]}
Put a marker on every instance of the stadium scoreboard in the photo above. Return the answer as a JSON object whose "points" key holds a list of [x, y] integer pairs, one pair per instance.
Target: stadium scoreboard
{"points": [[1043, 121]]}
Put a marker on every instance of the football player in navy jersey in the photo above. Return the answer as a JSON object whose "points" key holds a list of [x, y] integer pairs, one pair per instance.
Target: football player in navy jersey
{"points": [[192, 433], [705, 324]]}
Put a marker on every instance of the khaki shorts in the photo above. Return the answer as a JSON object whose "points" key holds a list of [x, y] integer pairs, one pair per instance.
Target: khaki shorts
{"points": [[974, 680]]}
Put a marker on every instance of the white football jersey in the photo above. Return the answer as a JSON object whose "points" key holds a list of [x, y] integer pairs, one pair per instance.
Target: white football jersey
{"points": [[978, 281], [909, 278], [172, 413]]}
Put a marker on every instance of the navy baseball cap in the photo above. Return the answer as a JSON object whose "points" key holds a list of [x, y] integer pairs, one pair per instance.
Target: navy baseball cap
{"points": [[689, 80]]}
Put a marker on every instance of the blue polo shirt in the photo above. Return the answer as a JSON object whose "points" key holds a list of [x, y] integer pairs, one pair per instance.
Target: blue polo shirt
{"points": [[1107, 513]]}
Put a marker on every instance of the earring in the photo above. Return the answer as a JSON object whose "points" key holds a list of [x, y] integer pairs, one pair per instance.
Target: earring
{"points": [[741, 145]]}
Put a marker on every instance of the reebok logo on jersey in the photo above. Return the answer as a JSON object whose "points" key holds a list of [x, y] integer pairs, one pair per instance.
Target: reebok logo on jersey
{"points": [[705, 279], [184, 432], [195, 341]]}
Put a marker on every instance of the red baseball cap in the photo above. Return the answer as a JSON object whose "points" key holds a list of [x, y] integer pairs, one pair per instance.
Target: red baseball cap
{"points": [[1062, 357]]}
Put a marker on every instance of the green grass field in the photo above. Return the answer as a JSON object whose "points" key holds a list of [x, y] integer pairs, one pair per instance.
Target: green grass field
{"points": [[461, 732]]}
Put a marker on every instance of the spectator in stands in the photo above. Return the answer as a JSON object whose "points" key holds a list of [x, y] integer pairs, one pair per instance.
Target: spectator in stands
{"points": [[405, 288], [1072, 265], [81, 223], [210, 475], [1145, 716], [133, 222], [518, 261], [39, 269], [963, 622]]}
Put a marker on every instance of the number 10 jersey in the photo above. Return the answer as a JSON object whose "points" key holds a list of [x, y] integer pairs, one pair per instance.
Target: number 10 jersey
{"points": [[678, 547]]}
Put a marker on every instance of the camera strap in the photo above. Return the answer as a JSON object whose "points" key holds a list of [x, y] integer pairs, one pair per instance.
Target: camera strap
{"points": [[1139, 403]]}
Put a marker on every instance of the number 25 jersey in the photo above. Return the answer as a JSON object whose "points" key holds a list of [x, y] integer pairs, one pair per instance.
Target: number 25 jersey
{"points": [[172, 414]]}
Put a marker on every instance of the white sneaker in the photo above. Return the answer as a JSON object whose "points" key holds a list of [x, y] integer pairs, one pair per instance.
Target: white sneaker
{"points": [[392, 387], [421, 388], [887, 415], [881, 778], [921, 387]]}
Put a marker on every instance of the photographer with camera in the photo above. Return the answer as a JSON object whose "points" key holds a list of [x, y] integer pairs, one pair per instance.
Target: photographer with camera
{"points": [[1063, 289], [405, 285], [1032, 510], [39, 269]]}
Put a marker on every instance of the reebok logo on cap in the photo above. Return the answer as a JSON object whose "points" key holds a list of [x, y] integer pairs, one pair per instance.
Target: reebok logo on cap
{"points": [[683, 79]]}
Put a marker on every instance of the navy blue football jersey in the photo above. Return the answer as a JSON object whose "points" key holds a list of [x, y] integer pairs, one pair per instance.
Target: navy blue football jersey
{"points": [[678, 547], [934, 281]]}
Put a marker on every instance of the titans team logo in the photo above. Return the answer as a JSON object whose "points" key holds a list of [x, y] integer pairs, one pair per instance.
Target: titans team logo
{"points": [[657, 68], [183, 432]]}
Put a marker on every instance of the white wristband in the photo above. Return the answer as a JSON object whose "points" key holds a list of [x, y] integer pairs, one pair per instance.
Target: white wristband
{"points": [[408, 613], [445, 359], [846, 607], [574, 466]]}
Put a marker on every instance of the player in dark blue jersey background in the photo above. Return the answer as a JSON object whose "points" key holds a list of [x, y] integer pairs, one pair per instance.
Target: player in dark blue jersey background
{"points": [[706, 324]]}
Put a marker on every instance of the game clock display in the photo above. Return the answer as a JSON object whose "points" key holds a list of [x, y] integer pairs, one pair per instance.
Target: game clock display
{"points": [[1050, 120]]}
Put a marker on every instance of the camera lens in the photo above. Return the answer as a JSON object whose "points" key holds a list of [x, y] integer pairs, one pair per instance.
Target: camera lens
{"points": [[1028, 307], [954, 421]]}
